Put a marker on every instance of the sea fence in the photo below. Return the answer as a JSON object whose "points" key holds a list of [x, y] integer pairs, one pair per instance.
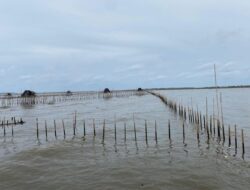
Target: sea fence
{"points": [[10, 100], [212, 126], [208, 127]]}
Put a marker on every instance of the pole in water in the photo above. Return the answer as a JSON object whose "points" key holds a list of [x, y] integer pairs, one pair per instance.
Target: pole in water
{"points": [[208, 135], [146, 132], [84, 128], [229, 136], [64, 132], [169, 130], [94, 127], [125, 132], [214, 126], [222, 119], [74, 128], [235, 133], [218, 128], [55, 128], [103, 132], [207, 114], [135, 131], [156, 137], [4, 130], [12, 130], [242, 140], [211, 130], [223, 133], [37, 129], [46, 130], [198, 133], [183, 127], [115, 130]]}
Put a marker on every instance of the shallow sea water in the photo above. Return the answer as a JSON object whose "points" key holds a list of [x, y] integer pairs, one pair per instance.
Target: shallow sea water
{"points": [[87, 163]]}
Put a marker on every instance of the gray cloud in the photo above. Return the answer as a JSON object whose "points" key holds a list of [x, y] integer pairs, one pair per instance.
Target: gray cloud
{"points": [[53, 45]]}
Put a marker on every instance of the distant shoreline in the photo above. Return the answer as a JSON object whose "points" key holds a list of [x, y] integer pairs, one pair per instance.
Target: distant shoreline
{"points": [[199, 88], [167, 88]]}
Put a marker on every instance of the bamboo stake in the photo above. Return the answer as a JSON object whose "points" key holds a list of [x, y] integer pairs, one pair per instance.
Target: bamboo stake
{"points": [[37, 130], [12, 130], [146, 132], [103, 132], [211, 127], [55, 128], [218, 129], [216, 88], [223, 133], [4, 130], [169, 130], [46, 131], [235, 133], [222, 118], [207, 114], [115, 131], [125, 132], [94, 127], [135, 131], [84, 128], [242, 140], [198, 133], [156, 137], [64, 132], [229, 136], [183, 131]]}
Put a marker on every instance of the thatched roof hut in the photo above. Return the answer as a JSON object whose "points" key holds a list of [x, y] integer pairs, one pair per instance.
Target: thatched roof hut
{"points": [[28, 93], [139, 89], [69, 93], [106, 90], [8, 94]]}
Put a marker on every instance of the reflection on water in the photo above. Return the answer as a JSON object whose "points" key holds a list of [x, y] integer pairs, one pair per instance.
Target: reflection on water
{"points": [[86, 162]]}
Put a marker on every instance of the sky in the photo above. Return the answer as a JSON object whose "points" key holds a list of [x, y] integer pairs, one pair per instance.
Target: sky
{"points": [[59, 45]]}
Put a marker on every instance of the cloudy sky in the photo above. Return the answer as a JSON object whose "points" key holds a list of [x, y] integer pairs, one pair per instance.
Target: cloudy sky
{"points": [[57, 45]]}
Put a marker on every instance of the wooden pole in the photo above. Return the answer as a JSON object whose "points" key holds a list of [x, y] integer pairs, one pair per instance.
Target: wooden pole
{"points": [[218, 128], [103, 132], [183, 127], [169, 130], [135, 131], [94, 127], [125, 132], [146, 132], [216, 88], [37, 129], [222, 119], [115, 132], [12, 130], [211, 126], [84, 128], [235, 139], [229, 136], [55, 128], [46, 130], [242, 140], [4, 130], [198, 133], [64, 132], [156, 137]]}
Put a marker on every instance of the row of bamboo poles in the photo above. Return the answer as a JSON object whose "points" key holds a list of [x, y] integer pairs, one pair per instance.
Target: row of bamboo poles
{"points": [[209, 124], [5, 123], [10, 101], [11, 121]]}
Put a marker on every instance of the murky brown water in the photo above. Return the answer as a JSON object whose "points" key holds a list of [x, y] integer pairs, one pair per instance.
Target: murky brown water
{"points": [[87, 163]]}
